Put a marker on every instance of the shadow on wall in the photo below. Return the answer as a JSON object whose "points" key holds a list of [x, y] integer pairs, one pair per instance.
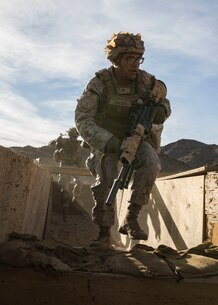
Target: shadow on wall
{"points": [[157, 208], [152, 219]]}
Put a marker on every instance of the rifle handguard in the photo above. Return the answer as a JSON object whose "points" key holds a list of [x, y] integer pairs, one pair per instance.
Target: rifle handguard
{"points": [[130, 144]]}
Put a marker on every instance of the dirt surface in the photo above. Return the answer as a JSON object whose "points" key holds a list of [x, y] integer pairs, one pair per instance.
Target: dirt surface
{"points": [[78, 231]]}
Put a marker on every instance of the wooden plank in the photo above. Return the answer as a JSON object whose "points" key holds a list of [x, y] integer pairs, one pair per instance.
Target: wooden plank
{"points": [[24, 192], [26, 286], [174, 216], [37, 202], [67, 170], [193, 172], [214, 236], [176, 213]]}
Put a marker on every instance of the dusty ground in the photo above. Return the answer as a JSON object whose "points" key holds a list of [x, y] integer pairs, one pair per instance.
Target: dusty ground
{"points": [[78, 231]]}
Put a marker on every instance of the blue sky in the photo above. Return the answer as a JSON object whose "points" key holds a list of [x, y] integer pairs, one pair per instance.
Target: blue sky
{"points": [[51, 48]]}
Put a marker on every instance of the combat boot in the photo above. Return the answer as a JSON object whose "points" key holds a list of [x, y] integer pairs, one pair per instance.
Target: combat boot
{"points": [[130, 224], [104, 238]]}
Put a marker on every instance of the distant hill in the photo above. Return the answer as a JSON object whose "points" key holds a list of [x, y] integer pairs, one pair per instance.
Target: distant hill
{"points": [[175, 157], [192, 153], [170, 165], [34, 152]]}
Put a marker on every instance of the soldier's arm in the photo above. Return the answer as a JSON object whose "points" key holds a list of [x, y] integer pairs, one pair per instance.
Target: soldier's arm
{"points": [[85, 112], [166, 103], [160, 93]]}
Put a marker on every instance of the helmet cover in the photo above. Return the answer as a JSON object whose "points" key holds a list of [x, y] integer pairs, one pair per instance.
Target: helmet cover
{"points": [[124, 42]]}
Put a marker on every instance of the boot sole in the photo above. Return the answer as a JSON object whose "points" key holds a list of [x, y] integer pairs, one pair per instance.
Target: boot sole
{"points": [[125, 232]]}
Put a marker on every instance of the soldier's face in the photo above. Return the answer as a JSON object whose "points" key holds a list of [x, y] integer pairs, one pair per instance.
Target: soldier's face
{"points": [[129, 64]]}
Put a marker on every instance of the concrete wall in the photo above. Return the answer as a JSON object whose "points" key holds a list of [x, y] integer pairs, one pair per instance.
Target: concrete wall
{"points": [[24, 195]]}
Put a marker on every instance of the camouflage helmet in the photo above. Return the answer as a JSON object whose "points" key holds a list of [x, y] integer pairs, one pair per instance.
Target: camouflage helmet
{"points": [[123, 42], [72, 132]]}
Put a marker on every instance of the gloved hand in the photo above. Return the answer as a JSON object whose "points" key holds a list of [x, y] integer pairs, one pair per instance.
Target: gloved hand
{"points": [[158, 114], [113, 146]]}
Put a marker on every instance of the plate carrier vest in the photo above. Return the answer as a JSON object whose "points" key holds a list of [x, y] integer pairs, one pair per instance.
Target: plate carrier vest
{"points": [[116, 101]]}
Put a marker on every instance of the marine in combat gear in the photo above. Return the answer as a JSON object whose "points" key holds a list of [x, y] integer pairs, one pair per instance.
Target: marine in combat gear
{"points": [[68, 153], [101, 118]]}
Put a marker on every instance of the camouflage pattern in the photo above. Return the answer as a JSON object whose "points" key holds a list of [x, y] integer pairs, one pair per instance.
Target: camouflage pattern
{"points": [[85, 113], [68, 153], [123, 42], [72, 133], [145, 174], [92, 124], [160, 90], [104, 167]]}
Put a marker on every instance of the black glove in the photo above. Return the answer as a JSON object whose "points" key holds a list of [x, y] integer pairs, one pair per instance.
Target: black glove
{"points": [[158, 114], [113, 146]]}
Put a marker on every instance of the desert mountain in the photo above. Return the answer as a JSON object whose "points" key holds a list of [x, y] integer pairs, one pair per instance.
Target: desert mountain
{"points": [[192, 153], [175, 157], [35, 152]]}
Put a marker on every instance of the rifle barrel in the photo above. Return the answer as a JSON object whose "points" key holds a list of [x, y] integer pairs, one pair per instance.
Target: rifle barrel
{"points": [[118, 184]]}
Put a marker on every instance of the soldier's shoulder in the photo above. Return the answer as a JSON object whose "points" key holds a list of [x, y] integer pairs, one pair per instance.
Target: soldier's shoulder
{"points": [[147, 78], [103, 74], [95, 84], [59, 140], [146, 75]]}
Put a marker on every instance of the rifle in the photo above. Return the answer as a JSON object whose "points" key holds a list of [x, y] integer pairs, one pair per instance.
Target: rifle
{"points": [[139, 124]]}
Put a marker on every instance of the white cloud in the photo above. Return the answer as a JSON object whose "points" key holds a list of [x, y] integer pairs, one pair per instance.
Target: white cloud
{"points": [[65, 38], [62, 39], [21, 123]]}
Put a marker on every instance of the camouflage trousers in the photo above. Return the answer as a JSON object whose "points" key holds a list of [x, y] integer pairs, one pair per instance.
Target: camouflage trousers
{"points": [[105, 169], [71, 187]]}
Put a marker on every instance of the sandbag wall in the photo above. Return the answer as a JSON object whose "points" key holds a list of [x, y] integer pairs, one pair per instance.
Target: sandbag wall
{"points": [[24, 195]]}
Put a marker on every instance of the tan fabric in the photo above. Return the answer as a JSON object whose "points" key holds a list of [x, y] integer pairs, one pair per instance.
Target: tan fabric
{"points": [[124, 42], [144, 177], [85, 114], [139, 263], [130, 145], [102, 112], [165, 262], [68, 152], [23, 250], [97, 108]]}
